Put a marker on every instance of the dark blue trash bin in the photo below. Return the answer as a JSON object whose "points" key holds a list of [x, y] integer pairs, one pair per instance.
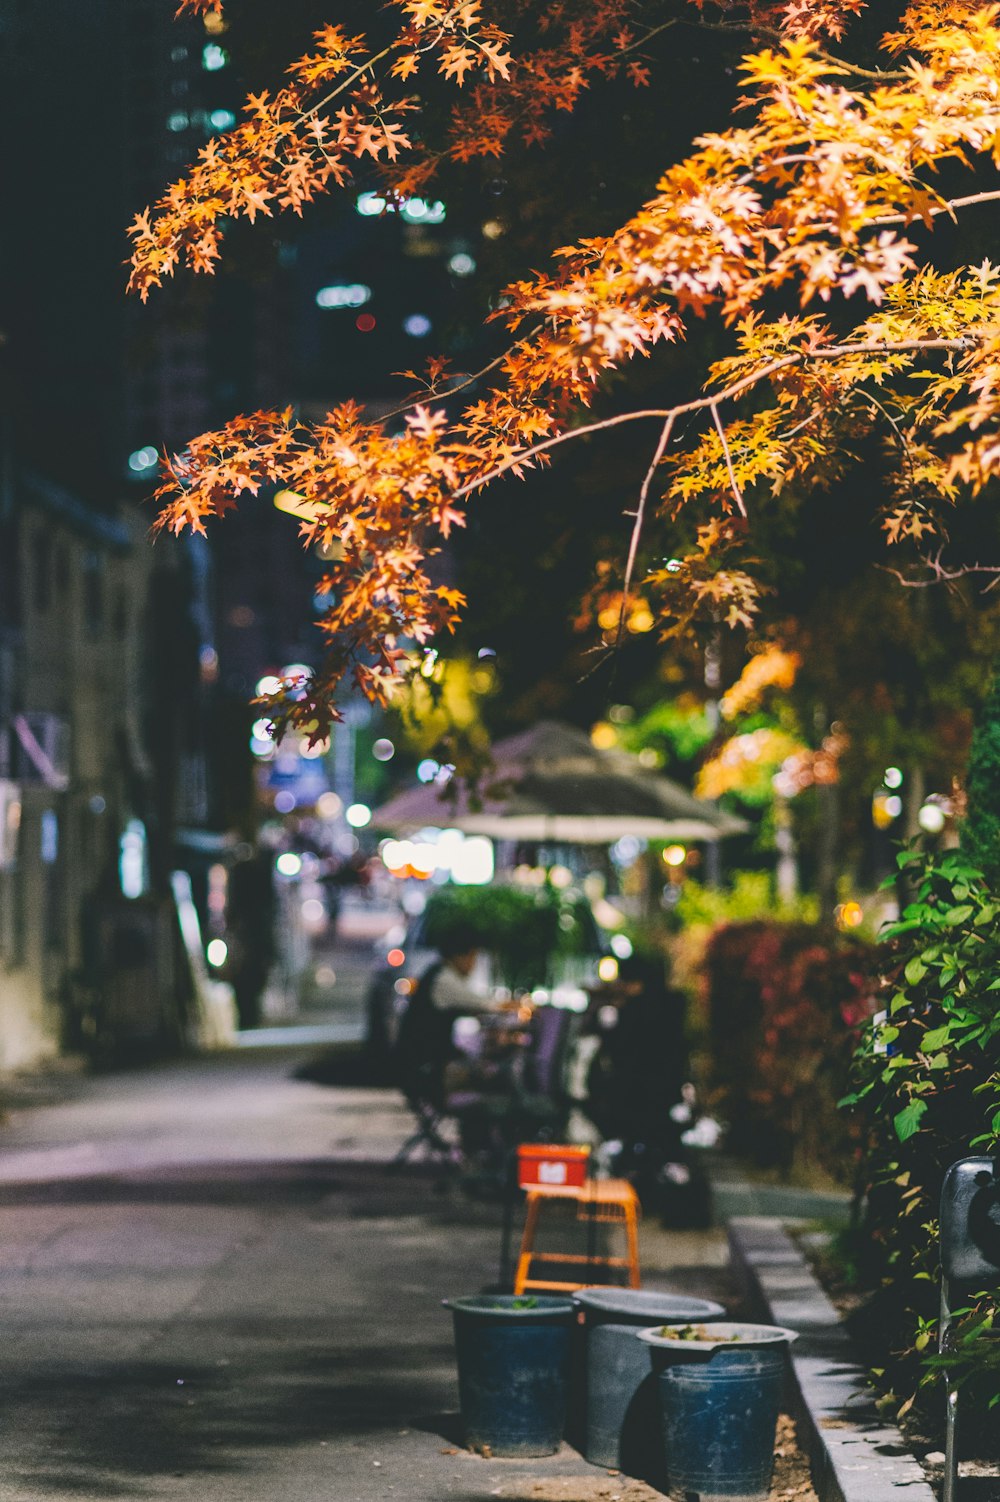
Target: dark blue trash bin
{"points": [[513, 1370], [720, 1403], [621, 1423]]}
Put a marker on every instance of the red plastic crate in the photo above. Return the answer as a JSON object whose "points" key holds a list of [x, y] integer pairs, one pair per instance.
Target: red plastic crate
{"points": [[551, 1165]]}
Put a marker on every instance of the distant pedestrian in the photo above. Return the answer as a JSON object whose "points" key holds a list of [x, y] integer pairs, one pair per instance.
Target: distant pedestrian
{"points": [[250, 913]]}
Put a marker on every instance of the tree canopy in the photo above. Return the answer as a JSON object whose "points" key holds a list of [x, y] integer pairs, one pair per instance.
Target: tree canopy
{"points": [[794, 246]]}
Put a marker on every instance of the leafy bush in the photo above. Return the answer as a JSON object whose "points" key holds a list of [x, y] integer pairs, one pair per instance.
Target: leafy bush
{"points": [[927, 1092], [785, 1003], [524, 928], [702, 909], [981, 829]]}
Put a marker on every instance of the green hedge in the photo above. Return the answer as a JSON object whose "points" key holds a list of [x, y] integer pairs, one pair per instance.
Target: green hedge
{"points": [[525, 928], [785, 1004]]}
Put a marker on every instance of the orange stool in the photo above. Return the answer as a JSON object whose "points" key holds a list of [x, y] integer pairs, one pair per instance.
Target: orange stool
{"points": [[598, 1201]]}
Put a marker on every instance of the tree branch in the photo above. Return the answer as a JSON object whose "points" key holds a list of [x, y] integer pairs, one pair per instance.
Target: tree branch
{"points": [[730, 393]]}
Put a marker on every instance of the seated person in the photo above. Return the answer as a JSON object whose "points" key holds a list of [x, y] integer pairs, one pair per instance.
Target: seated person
{"points": [[424, 1047]]}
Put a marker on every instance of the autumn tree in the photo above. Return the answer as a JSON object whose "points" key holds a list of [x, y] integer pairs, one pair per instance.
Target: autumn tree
{"points": [[796, 244]]}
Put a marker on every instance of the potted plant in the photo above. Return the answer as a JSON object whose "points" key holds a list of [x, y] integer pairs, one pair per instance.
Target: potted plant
{"points": [[720, 1389], [620, 1423], [513, 1371]]}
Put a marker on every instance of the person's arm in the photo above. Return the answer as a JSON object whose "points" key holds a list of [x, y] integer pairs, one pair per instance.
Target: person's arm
{"points": [[451, 992]]}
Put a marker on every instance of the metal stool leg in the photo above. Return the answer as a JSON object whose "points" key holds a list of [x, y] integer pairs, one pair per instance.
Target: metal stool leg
{"points": [[527, 1244], [632, 1235]]}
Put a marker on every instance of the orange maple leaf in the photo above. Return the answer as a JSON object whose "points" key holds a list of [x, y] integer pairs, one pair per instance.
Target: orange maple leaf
{"points": [[456, 61], [406, 65]]}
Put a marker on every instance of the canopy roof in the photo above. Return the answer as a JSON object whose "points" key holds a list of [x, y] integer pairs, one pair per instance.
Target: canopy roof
{"points": [[550, 783]]}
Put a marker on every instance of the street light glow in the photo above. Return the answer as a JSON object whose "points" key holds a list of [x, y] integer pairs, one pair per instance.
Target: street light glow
{"points": [[343, 295], [932, 818], [413, 210], [142, 459]]}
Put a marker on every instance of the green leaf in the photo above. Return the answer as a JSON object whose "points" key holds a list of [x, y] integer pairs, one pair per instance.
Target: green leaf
{"points": [[907, 1121], [960, 913], [936, 1038], [915, 970]]}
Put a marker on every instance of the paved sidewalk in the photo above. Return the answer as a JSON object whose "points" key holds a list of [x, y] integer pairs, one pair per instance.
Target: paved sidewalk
{"points": [[211, 1290]]}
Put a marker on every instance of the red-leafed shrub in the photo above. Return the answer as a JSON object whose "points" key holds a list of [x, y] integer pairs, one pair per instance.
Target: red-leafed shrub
{"points": [[785, 1003]]}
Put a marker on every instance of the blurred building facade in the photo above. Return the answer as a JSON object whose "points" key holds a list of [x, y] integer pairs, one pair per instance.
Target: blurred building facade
{"points": [[132, 667], [87, 952]]}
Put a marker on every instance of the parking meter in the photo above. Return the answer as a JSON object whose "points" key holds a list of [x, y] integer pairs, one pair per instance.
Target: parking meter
{"points": [[970, 1262]]}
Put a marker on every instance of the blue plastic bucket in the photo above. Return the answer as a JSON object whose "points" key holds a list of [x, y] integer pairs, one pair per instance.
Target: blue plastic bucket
{"points": [[621, 1428], [513, 1369], [719, 1402]]}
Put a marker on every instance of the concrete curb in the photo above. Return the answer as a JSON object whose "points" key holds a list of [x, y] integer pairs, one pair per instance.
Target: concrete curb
{"points": [[856, 1456]]}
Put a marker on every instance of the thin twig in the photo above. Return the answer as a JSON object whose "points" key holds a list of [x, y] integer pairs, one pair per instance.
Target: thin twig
{"points": [[345, 83], [854, 70], [737, 493], [941, 575], [904, 442], [469, 380], [640, 514], [948, 207], [791, 433]]}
